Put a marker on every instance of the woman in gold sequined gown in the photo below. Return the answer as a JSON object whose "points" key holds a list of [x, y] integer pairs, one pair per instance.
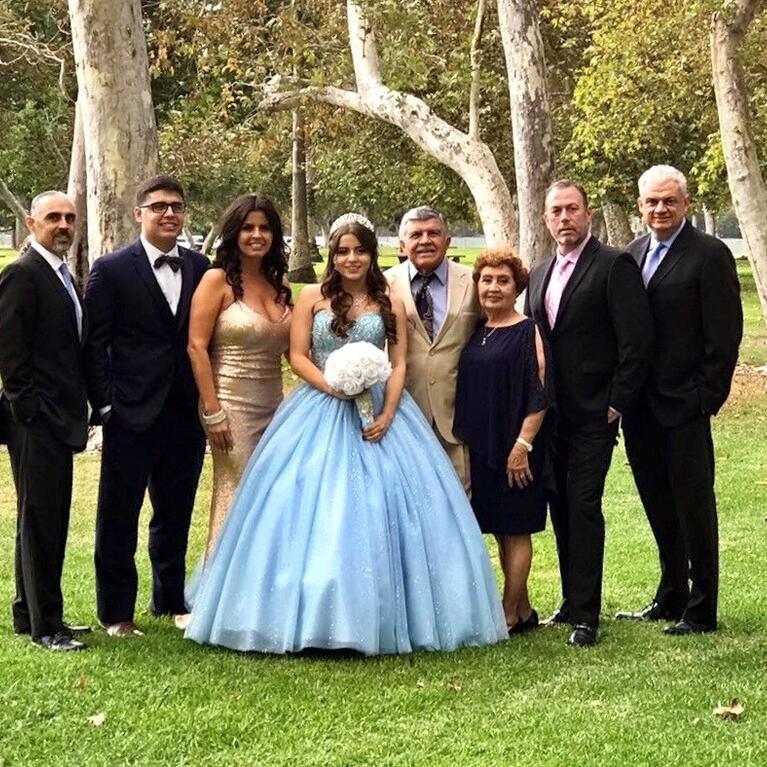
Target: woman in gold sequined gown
{"points": [[239, 328]]}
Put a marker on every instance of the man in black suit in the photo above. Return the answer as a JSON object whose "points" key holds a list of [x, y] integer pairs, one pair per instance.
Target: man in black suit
{"points": [[589, 302], [43, 413], [141, 386], [694, 297]]}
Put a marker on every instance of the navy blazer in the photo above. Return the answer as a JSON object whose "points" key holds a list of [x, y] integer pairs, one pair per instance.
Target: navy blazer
{"points": [[694, 299], [137, 349], [602, 339], [40, 350]]}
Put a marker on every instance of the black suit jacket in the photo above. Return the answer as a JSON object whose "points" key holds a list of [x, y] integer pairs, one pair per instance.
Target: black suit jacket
{"points": [[137, 349], [40, 351], [602, 339], [694, 299]]}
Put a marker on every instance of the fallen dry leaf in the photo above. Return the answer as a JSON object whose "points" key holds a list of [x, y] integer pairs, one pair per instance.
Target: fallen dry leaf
{"points": [[81, 682], [97, 719], [761, 482], [236, 696], [696, 720], [733, 711], [596, 703], [454, 687], [421, 683]]}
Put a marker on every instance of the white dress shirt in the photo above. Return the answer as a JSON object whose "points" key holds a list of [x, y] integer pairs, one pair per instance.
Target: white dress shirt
{"points": [[168, 280]]}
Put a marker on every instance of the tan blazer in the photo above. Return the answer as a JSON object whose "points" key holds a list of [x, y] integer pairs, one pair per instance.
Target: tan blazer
{"points": [[432, 367]]}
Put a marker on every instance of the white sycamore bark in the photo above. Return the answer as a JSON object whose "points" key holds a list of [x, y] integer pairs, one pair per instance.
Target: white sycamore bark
{"points": [[118, 115], [300, 262], [471, 159], [619, 233], [530, 121], [18, 209], [749, 195], [77, 191]]}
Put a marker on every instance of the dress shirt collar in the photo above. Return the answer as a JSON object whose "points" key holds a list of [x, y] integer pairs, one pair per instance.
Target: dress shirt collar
{"points": [[53, 260], [669, 241], [440, 272], [575, 253], [154, 253]]}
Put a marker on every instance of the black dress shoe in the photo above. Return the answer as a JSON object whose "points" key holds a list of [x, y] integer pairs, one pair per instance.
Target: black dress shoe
{"points": [[556, 618], [75, 631], [584, 635], [525, 624], [61, 641], [653, 612], [685, 627]]}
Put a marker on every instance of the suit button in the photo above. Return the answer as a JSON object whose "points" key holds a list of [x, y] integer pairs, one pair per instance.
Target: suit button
{"points": [[432, 382], [431, 352]]}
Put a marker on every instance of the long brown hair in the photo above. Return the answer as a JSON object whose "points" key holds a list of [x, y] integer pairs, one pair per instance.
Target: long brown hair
{"points": [[340, 300], [275, 264]]}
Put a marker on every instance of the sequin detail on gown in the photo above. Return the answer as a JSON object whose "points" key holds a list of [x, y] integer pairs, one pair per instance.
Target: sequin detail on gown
{"points": [[333, 542], [245, 354]]}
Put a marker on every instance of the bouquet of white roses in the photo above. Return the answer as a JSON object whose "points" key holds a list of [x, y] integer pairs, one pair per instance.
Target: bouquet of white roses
{"points": [[353, 369]]}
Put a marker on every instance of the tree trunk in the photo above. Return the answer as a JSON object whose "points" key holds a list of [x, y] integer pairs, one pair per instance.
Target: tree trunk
{"points": [[598, 226], [16, 206], [300, 263], [20, 233], [619, 232], [210, 238], [709, 222], [118, 115], [530, 121], [77, 191], [749, 195], [471, 159]]}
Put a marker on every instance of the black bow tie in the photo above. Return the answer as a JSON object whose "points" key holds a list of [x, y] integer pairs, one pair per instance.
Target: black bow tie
{"points": [[174, 262]]}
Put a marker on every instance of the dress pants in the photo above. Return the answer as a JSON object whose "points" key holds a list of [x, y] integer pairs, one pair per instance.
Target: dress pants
{"points": [[581, 456], [674, 473], [42, 473], [166, 458]]}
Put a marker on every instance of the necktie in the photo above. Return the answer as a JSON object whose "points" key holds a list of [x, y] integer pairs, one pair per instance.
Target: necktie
{"points": [[424, 303], [69, 285], [651, 262], [174, 262]]}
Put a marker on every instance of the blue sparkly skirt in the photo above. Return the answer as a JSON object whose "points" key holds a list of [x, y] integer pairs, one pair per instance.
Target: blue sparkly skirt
{"points": [[333, 542]]}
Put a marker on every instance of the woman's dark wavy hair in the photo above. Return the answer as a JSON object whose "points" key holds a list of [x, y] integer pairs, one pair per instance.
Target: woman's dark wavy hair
{"points": [[340, 300], [274, 265]]}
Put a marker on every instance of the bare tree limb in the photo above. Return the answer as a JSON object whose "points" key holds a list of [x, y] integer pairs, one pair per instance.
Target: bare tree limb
{"points": [[476, 70]]}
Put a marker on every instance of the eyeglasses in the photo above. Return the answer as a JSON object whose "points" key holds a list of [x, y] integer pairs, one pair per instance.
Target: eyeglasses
{"points": [[160, 207]]}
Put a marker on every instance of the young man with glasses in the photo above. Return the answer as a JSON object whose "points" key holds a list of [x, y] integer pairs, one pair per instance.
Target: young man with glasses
{"points": [[142, 389]]}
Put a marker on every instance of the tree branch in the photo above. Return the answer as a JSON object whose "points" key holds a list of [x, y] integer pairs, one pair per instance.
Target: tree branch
{"points": [[12, 201], [476, 62], [743, 11]]}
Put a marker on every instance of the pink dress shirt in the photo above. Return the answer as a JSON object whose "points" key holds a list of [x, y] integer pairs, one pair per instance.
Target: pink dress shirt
{"points": [[563, 269]]}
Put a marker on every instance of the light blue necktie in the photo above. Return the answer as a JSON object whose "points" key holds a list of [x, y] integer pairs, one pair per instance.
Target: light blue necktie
{"points": [[69, 285], [651, 262]]}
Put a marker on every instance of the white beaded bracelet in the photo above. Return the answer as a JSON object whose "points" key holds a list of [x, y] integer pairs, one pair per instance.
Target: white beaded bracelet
{"points": [[525, 444], [214, 418]]}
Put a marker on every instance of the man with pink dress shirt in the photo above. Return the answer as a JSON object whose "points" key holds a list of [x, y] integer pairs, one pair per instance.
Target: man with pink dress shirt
{"points": [[589, 301]]}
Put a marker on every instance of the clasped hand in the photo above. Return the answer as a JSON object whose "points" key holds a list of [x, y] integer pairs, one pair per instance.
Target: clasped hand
{"points": [[376, 429], [220, 436]]}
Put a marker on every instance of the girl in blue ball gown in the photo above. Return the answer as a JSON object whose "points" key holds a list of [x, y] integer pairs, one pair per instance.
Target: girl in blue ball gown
{"points": [[339, 536]]}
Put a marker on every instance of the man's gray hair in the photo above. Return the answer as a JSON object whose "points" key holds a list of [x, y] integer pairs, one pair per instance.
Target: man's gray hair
{"points": [[421, 213], [44, 196], [662, 173]]}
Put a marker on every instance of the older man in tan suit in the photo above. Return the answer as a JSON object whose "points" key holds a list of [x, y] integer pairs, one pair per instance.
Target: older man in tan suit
{"points": [[442, 309]]}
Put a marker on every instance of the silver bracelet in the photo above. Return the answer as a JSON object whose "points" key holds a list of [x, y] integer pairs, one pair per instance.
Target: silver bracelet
{"points": [[214, 418], [525, 444]]}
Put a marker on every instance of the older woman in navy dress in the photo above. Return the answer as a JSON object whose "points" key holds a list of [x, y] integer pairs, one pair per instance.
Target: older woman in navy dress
{"points": [[502, 394]]}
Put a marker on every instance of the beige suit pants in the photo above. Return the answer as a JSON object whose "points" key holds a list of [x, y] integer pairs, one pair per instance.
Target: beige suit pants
{"points": [[459, 457]]}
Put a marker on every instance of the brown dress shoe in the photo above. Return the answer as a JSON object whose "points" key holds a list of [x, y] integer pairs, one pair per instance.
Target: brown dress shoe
{"points": [[122, 629]]}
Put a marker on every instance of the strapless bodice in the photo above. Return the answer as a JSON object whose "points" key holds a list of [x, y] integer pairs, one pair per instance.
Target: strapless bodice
{"points": [[367, 327]]}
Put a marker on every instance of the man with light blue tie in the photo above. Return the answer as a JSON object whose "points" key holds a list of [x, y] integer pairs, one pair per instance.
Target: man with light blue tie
{"points": [[694, 298], [43, 413]]}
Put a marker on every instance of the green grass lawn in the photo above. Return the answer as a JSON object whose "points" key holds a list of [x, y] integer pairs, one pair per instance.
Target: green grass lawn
{"points": [[638, 698]]}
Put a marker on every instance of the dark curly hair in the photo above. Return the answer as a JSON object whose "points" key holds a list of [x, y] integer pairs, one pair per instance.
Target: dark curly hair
{"points": [[275, 263], [503, 257], [340, 300]]}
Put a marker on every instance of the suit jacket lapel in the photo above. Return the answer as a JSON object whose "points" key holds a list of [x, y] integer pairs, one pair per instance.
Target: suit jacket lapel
{"points": [[58, 286], [582, 265], [187, 278], [402, 281], [538, 299], [671, 259], [142, 266], [457, 285]]}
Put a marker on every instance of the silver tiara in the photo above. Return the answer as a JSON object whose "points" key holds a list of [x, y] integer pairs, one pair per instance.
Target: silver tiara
{"points": [[352, 218]]}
